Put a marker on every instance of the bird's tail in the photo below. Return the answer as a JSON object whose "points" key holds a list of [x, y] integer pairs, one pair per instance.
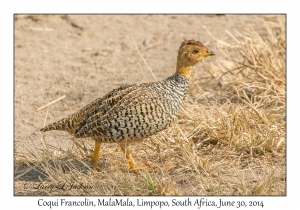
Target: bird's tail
{"points": [[61, 125]]}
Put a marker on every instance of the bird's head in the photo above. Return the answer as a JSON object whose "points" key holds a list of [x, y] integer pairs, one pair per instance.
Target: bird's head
{"points": [[189, 54]]}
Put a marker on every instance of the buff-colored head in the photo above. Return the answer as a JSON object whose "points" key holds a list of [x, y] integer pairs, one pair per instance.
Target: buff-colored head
{"points": [[189, 54]]}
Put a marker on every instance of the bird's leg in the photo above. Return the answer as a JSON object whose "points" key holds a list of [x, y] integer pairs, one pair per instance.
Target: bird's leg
{"points": [[95, 156], [128, 156]]}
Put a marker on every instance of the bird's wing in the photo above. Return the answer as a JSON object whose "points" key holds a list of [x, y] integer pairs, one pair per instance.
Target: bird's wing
{"points": [[140, 100], [100, 105]]}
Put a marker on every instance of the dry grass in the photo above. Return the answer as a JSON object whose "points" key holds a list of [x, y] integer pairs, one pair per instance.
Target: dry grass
{"points": [[230, 137]]}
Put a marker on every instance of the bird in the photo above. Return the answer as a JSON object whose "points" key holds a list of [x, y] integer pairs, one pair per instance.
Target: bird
{"points": [[134, 112]]}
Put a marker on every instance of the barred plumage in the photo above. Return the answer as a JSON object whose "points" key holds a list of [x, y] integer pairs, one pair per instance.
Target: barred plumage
{"points": [[134, 112]]}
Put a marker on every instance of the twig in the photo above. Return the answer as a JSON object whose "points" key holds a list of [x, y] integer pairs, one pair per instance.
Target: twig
{"points": [[149, 47], [145, 78], [69, 20], [143, 58], [42, 136], [52, 102]]}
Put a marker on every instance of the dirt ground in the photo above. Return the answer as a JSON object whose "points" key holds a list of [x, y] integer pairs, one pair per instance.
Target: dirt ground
{"points": [[54, 58], [82, 57]]}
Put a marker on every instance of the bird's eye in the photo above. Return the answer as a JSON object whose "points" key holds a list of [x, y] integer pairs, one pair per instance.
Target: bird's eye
{"points": [[195, 51]]}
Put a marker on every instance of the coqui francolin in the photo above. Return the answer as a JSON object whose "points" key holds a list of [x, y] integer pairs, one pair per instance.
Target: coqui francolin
{"points": [[134, 112]]}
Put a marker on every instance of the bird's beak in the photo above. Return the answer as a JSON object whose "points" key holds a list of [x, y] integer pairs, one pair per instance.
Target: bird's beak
{"points": [[208, 53]]}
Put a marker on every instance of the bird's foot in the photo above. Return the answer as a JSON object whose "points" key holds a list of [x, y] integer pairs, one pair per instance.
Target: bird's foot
{"points": [[133, 167], [94, 163], [95, 166]]}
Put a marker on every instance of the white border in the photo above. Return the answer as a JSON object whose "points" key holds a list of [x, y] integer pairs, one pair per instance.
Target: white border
{"points": [[8, 201]]}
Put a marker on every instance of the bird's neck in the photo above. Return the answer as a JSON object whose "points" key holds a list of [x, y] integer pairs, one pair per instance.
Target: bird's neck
{"points": [[184, 70]]}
